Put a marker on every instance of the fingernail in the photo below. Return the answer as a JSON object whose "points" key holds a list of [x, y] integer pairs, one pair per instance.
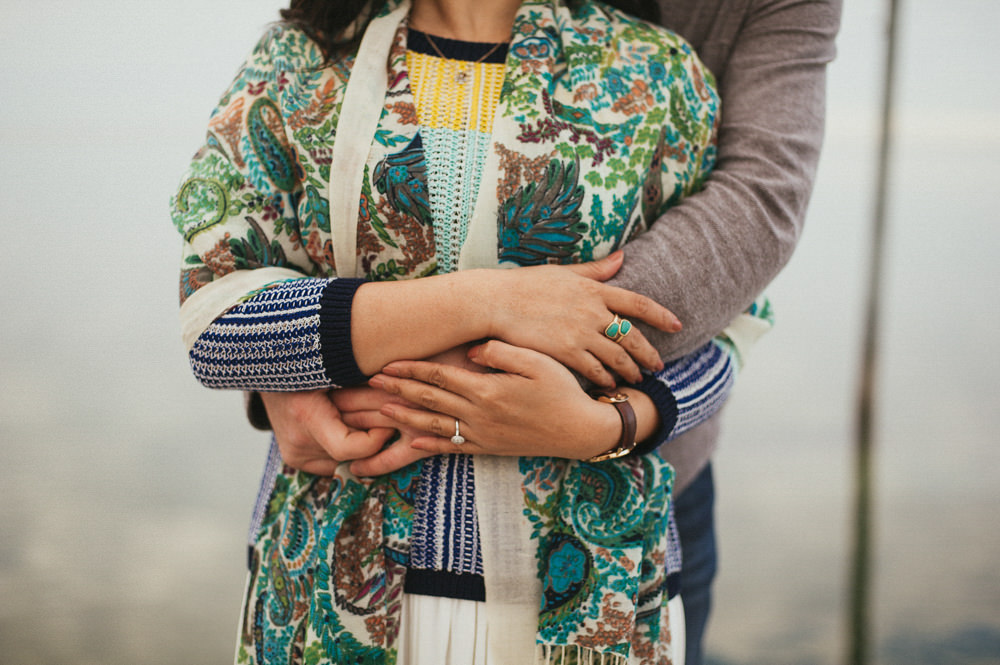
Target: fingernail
{"points": [[390, 370], [474, 351], [376, 382], [387, 410]]}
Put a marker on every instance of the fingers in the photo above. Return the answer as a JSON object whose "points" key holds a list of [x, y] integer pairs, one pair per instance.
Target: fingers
{"points": [[446, 377], [527, 362], [635, 306], [625, 355], [325, 427], [361, 398], [396, 456], [432, 445], [361, 444], [317, 467], [366, 420], [429, 385], [637, 347], [592, 363], [508, 358], [426, 421], [306, 454], [614, 355], [593, 368], [600, 270]]}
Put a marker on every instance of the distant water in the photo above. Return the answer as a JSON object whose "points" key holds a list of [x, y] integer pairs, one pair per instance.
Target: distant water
{"points": [[127, 487]]}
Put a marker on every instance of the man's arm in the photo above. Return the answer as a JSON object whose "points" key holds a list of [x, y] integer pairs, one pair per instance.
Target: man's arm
{"points": [[710, 256]]}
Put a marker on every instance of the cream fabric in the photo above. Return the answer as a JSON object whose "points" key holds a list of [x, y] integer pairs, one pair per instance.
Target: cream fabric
{"points": [[449, 631], [215, 298], [361, 110]]}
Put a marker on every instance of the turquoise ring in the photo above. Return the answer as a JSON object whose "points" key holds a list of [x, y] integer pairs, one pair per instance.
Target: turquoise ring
{"points": [[618, 328]]}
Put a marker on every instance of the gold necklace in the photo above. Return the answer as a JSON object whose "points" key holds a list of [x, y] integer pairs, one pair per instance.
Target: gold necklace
{"points": [[465, 70]]}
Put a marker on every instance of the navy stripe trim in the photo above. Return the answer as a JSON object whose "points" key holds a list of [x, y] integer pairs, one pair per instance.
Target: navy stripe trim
{"points": [[445, 584], [666, 404], [335, 332]]}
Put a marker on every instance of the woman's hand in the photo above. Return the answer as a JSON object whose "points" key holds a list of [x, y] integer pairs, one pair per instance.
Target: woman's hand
{"points": [[562, 311], [534, 407], [313, 436], [362, 408]]}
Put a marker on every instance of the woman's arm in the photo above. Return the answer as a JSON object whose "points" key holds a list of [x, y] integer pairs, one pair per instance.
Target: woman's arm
{"points": [[306, 333]]}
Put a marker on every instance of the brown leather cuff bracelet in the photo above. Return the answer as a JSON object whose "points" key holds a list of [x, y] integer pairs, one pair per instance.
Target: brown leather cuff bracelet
{"points": [[627, 442]]}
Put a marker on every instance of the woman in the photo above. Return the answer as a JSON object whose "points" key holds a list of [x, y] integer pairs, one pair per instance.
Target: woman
{"points": [[584, 89]]}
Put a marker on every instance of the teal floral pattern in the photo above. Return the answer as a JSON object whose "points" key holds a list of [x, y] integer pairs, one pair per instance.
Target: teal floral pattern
{"points": [[402, 179], [602, 532], [542, 221]]}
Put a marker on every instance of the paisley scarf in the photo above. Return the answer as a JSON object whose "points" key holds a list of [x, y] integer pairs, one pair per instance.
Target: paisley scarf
{"points": [[604, 122]]}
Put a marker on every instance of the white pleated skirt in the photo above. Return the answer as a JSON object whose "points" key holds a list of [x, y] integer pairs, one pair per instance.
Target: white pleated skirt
{"points": [[449, 631]]}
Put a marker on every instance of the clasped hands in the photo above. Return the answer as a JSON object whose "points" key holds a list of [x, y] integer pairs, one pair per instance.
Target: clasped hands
{"points": [[510, 397]]}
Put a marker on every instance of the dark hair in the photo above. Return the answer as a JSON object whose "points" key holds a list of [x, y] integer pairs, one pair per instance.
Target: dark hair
{"points": [[327, 21], [647, 10]]}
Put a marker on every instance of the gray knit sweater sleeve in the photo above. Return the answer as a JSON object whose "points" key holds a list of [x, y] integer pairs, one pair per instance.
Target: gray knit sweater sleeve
{"points": [[711, 255]]}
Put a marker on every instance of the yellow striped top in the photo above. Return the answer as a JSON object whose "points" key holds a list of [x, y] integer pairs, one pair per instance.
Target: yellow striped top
{"points": [[442, 102], [456, 89]]}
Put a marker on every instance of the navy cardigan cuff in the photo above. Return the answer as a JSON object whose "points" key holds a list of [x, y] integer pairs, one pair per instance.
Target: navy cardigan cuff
{"points": [[335, 332], [665, 404]]}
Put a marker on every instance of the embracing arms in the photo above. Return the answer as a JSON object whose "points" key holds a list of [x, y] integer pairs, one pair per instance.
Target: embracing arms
{"points": [[709, 256], [374, 323]]}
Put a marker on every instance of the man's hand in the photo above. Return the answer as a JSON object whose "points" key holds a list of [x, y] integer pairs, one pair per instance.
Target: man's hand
{"points": [[312, 435], [316, 430]]}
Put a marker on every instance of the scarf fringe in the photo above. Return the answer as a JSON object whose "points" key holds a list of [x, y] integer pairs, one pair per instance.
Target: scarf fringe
{"points": [[573, 654]]}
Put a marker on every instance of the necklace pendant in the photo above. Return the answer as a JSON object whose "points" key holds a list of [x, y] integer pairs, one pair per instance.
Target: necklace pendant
{"points": [[461, 77]]}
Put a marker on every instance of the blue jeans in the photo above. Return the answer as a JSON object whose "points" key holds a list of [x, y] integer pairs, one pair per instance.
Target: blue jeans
{"points": [[695, 515]]}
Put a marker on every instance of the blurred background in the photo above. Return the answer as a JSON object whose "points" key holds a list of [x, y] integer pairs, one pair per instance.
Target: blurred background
{"points": [[127, 488]]}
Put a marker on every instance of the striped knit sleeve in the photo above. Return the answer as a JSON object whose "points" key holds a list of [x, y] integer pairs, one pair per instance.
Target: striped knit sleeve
{"points": [[294, 335], [689, 390]]}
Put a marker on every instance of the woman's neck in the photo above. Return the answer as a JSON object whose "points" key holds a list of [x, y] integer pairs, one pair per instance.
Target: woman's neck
{"points": [[466, 20]]}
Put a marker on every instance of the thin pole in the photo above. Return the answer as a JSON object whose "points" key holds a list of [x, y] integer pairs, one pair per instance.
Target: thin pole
{"points": [[859, 648]]}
